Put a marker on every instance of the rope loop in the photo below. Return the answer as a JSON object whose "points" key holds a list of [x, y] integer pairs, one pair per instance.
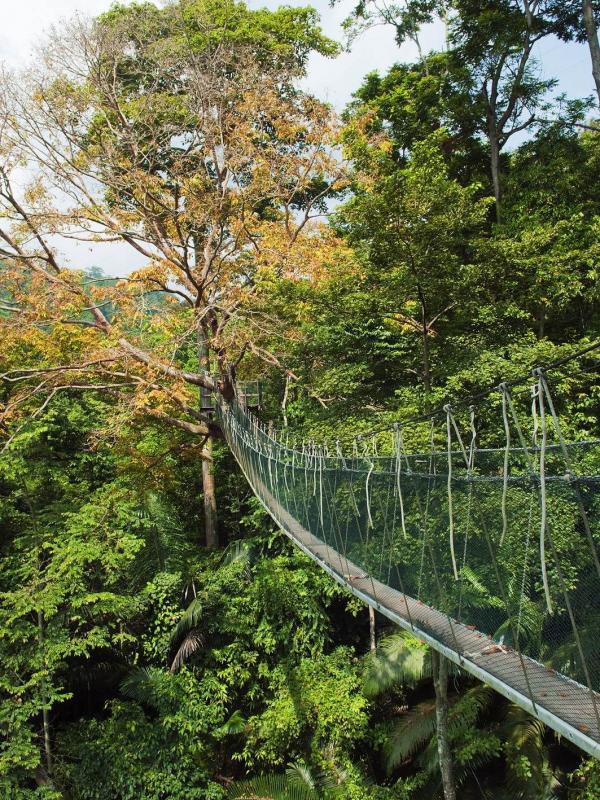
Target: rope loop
{"points": [[449, 421], [505, 402], [340, 453], [472, 448], [368, 495], [399, 450], [538, 396]]}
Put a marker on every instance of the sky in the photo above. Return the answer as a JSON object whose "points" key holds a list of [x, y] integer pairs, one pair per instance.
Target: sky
{"points": [[22, 22]]}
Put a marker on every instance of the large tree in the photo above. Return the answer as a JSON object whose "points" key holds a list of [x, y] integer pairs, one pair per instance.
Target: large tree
{"points": [[496, 41], [413, 100], [487, 82], [181, 133], [410, 226]]}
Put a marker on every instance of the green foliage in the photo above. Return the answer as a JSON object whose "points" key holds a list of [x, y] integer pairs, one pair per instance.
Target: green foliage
{"points": [[406, 17], [410, 103], [129, 756], [274, 787], [316, 702], [108, 574], [65, 556], [400, 660], [586, 781], [286, 35], [529, 772], [159, 670]]}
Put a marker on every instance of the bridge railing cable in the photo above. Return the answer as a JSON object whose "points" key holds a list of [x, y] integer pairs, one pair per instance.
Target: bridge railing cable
{"points": [[443, 540]]}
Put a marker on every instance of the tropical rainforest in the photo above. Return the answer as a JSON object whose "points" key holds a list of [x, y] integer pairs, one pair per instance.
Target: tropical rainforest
{"points": [[159, 638]]}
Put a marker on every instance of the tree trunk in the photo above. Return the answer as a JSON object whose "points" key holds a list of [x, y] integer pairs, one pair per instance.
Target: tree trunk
{"points": [[422, 61], [541, 320], [440, 683], [495, 169], [426, 369], [592, 37], [45, 715], [425, 340], [210, 498], [446, 25], [372, 631], [211, 536]]}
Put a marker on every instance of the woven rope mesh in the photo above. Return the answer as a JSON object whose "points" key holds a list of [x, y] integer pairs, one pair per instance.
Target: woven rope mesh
{"points": [[491, 552]]}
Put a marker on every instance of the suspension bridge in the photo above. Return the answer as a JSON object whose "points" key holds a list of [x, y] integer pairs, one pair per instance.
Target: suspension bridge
{"points": [[487, 554]]}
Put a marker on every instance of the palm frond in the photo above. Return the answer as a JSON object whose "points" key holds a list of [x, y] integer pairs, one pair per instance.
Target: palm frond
{"points": [[565, 658], [144, 684], [428, 761], [234, 725], [190, 619], [336, 778], [238, 550], [400, 660], [270, 787], [167, 548], [301, 775], [465, 709], [523, 730], [413, 730], [416, 729], [191, 643], [528, 773], [462, 716], [474, 591], [527, 626]]}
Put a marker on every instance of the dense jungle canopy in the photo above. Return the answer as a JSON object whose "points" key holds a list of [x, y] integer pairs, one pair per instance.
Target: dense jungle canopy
{"points": [[159, 638]]}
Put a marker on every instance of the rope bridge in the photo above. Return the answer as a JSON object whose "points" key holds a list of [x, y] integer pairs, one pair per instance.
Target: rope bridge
{"points": [[487, 554]]}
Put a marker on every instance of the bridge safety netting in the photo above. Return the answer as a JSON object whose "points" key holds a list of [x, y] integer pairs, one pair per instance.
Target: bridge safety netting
{"points": [[488, 554]]}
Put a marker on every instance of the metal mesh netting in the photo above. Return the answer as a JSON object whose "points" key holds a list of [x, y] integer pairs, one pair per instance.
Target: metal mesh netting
{"points": [[487, 554]]}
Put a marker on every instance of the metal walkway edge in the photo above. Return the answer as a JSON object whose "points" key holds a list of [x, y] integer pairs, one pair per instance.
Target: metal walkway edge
{"points": [[566, 705]]}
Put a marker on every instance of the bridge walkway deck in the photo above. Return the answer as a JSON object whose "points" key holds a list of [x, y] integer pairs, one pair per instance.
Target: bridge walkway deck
{"points": [[565, 705]]}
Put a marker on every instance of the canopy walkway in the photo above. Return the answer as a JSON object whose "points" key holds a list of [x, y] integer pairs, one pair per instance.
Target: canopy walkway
{"points": [[487, 554]]}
